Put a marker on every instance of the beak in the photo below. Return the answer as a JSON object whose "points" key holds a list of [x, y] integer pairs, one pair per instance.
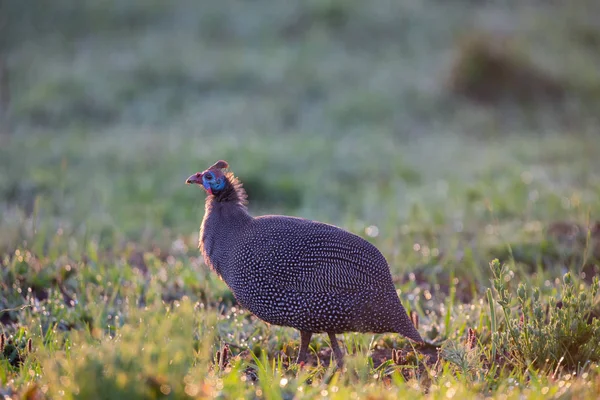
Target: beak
{"points": [[196, 178]]}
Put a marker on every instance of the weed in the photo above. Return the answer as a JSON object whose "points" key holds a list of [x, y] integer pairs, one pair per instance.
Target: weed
{"points": [[547, 332]]}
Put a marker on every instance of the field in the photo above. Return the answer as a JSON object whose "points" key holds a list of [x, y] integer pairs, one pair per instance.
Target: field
{"points": [[461, 139]]}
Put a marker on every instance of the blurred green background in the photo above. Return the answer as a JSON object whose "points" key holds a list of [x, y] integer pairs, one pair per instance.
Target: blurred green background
{"points": [[464, 122], [327, 109], [447, 133]]}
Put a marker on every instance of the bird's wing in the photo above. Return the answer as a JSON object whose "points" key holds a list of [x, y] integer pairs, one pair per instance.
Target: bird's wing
{"points": [[304, 255]]}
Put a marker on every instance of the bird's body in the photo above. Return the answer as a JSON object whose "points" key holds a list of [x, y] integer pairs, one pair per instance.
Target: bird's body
{"points": [[295, 272]]}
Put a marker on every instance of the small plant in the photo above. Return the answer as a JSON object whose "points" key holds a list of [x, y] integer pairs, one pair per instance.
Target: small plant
{"points": [[547, 333], [222, 357], [463, 356], [16, 348]]}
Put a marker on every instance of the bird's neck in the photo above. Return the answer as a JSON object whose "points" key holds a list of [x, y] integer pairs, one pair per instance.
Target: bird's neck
{"points": [[233, 193], [223, 221]]}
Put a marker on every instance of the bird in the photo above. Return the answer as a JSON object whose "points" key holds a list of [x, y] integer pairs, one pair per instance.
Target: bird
{"points": [[294, 272]]}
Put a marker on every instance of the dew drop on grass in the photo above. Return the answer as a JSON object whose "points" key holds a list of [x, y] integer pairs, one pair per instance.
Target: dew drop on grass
{"points": [[192, 389], [165, 389], [372, 231]]}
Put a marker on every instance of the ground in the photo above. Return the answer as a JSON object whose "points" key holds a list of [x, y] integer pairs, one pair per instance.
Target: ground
{"points": [[448, 135]]}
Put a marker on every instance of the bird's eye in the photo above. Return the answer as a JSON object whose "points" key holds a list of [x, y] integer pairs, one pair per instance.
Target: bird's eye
{"points": [[209, 177]]}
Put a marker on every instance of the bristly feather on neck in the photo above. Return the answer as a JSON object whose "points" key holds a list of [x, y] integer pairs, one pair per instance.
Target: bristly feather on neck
{"points": [[232, 193]]}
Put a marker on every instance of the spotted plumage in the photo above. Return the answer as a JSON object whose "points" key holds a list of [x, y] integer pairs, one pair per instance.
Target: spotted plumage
{"points": [[295, 272]]}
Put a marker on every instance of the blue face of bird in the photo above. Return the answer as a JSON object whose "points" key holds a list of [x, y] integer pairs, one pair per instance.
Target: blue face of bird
{"points": [[213, 181]]}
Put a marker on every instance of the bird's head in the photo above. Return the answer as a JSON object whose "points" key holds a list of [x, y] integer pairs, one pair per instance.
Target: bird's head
{"points": [[213, 180]]}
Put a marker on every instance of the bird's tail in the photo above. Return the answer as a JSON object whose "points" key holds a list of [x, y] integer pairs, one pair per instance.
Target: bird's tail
{"points": [[406, 327]]}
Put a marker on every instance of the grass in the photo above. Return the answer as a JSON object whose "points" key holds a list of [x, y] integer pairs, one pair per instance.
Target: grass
{"points": [[327, 110]]}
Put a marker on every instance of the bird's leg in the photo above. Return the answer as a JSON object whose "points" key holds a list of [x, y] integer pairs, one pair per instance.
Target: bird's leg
{"points": [[304, 342], [337, 352]]}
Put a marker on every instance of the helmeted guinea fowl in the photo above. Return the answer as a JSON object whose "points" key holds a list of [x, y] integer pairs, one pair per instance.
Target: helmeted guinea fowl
{"points": [[295, 272]]}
